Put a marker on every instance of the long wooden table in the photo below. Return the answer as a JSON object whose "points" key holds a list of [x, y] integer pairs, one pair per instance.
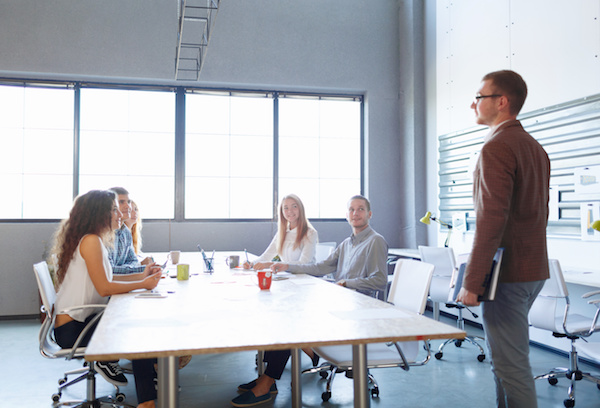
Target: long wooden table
{"points": [[226, 312]]}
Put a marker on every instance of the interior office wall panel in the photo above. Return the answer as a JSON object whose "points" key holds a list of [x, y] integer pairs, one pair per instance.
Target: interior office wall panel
{"points": [[479, 42], [555, 45]]}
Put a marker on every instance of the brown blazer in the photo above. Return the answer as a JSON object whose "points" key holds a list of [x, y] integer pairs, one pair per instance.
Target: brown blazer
{"points": [[511, 184]]}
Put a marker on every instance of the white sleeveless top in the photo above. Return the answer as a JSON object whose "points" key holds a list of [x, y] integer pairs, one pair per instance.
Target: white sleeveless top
{"points": [[77, 288]]}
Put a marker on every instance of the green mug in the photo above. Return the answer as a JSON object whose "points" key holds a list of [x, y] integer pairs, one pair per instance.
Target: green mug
{"points": [[183, 272]]}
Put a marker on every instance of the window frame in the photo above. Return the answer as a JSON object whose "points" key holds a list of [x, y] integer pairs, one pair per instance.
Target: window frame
{"points": [[180, 136]]}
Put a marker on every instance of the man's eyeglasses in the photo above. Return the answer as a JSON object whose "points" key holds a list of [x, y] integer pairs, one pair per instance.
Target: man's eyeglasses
{"points": [[479, 97]]}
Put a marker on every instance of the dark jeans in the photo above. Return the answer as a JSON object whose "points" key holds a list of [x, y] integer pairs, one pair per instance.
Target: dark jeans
{"points": [[276, 361], [66, 334], [143, 370], [144, 373]]}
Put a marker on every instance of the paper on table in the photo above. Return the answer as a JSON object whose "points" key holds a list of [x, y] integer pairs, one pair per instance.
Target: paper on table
{"points": [[371, 314], [150, 295]]}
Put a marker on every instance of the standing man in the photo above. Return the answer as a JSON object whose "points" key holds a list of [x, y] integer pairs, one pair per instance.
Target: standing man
{"points": [[359, 263], [511, 191], [123, 258]]}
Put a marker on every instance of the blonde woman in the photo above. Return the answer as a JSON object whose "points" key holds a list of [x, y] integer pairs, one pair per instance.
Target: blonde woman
{"points": [[295, 241], [134, 223]]}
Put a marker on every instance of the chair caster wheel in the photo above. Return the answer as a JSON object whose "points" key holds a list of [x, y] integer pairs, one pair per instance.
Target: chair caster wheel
{"points": [[481, 357], [458, 343], [569, 403], [323, 375], [120, 397], [62, 381], [326, 396], [56, 397], [375, 392], [439, 355], [553, 380]]}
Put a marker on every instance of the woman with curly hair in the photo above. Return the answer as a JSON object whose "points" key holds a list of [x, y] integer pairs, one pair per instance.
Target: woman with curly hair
{"points": [[84, 274]]}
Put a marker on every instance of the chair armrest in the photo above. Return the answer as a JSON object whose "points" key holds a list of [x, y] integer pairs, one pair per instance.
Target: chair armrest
{"points": [[590, 294], [75, 308], [87, 328], [405, 365]]}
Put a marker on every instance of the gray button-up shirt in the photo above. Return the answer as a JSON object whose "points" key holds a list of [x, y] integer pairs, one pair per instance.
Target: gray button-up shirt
{"points": [[361, 260]]}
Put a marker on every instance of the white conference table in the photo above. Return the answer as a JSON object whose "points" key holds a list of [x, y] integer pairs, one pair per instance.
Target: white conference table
{"points": [[226, 312]]}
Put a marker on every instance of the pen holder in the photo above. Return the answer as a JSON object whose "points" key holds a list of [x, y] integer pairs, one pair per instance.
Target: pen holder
{"points": [[209, 266]]}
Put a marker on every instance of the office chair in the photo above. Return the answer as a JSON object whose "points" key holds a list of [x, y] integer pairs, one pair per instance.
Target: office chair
{"points": [[563, 324], [50, 349], [323, 250], [445, 265], [409, 291]]}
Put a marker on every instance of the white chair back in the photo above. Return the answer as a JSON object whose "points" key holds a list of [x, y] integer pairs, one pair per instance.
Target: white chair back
{"points": [[410, 285], [45, 285], [441, 257], [323, 250], [445, 264], [543, 311]]}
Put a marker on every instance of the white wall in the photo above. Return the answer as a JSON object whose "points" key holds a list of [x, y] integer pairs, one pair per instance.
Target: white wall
{"points": [[337, 45], [554, 45]]}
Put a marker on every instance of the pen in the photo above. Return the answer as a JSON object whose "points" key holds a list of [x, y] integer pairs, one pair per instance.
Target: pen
{"points": [[246, 252]]}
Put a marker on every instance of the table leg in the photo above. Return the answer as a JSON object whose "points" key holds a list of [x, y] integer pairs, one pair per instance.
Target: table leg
{"points": [[168, 382], [296, 385], [361, 380]]}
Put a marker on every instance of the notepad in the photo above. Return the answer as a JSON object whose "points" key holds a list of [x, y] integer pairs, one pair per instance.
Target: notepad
{"points": [[150, 295], [490, 281]]}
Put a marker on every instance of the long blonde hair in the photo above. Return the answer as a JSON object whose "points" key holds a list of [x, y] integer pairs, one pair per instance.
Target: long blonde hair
{"points": [[136, 230], [302, 227]]}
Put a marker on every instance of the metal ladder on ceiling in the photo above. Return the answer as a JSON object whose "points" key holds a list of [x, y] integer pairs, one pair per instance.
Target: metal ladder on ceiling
{"points": [[196, 19]]}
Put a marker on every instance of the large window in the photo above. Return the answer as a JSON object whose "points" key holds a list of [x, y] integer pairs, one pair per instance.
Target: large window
{"points": [[229, 156], [128, 139], [182, 153], [36, 141], [319, 152]]}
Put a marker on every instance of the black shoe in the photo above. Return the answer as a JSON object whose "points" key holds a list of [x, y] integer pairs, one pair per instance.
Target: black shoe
{"points": [[315, 359], [252, 384], [248, 399], [111, 371]]}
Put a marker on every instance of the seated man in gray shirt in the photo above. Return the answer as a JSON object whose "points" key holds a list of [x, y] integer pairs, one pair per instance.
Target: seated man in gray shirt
{"points": [[359, 263]]}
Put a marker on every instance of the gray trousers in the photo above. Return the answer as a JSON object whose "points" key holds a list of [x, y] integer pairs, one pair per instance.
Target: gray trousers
{"points": [[507, 334]]}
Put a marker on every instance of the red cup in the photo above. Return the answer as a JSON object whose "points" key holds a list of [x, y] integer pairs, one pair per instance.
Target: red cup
{"points": [[264, 279]]}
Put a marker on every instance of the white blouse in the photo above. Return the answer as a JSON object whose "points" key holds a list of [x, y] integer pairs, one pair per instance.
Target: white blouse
{"points": [[304, 254], [77, 288]]}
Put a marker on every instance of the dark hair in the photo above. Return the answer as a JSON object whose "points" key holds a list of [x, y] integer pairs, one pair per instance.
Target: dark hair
{"points": [[510, 84], [91, 214], [360, 197], [119, 190]]}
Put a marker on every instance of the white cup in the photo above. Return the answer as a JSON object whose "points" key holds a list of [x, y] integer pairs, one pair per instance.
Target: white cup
{"points": [[174, 256]]}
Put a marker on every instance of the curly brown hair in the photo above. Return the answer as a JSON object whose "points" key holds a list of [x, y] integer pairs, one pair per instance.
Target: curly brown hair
{"points": [[91, 214]]}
